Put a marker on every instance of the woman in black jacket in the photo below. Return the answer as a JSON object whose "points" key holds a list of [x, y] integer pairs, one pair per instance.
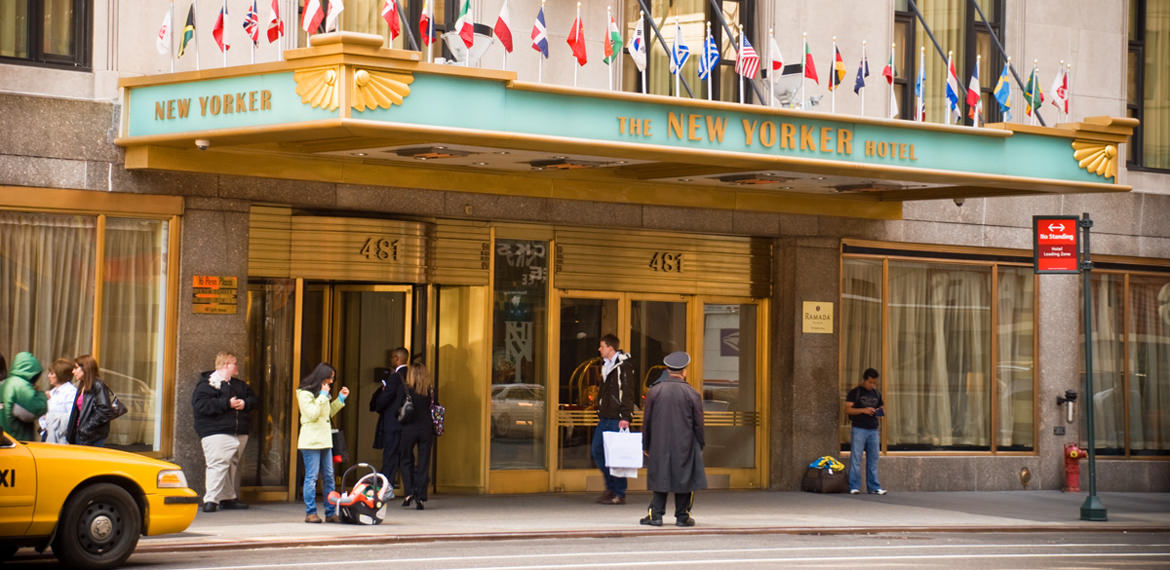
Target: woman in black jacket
{"points": [[89, 422], [417, 434]]}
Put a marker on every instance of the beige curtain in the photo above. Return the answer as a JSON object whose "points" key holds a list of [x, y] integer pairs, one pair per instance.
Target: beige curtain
{"points": [[1156, 107], [1108, 352], [13, 37], [47, 268], [1015, 336], [691, 16], [1149, 357], [861, 325], [133, 302], [946, 19], [58, 27]]}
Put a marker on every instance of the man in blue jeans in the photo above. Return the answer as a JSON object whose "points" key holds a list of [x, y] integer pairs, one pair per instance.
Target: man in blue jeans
{"points": [[615, 409], [864, 406]]}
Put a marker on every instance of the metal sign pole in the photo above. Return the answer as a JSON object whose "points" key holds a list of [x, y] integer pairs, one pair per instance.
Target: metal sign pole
{"points": [[1092, 509]]}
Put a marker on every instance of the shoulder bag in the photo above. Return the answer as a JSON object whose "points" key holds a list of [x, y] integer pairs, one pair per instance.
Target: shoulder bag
{"points": [[438, 416]]}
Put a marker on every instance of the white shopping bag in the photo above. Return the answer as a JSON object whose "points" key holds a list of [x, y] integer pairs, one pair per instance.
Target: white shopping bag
{"points": [[623, 449]]}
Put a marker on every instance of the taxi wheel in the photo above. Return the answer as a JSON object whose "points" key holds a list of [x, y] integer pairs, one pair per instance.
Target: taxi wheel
{"points": [[99, 528]]}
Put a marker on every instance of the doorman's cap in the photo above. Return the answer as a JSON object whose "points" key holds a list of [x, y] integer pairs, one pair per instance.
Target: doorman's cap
{"points": [[677, 360]]}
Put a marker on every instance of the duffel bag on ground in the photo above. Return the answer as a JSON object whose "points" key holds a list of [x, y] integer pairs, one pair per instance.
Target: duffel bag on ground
{"points": [[825, 481]]}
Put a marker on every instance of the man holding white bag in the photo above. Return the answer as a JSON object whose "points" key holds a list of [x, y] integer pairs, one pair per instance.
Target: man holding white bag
{"points": [[615, 409], [672, 437]]}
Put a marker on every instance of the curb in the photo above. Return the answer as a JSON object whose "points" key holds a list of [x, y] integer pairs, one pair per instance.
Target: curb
{"points": [[374, 539]]}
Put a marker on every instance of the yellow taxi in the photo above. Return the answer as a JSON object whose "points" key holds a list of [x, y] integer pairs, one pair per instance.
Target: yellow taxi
{"points": [[90, 504]]}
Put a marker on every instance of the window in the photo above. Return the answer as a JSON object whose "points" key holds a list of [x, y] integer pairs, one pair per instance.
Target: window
{"points": [[1148, 84], [1131, 363], [961, 375], [958, 27], [692, 17], [52, 33]]}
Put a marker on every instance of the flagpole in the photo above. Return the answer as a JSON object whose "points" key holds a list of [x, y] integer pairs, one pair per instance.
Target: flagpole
{"points": [[608, 17], [893, 72], [195, 35], [950, 54], [471, 15], [225, 25], [710, 69], [256, 39], [833, 79], [1035, 81], [674, 62], [803, 71], [172, 28], [920, 99], [430, 32], [861, 91], [576, 23], [1067, 90], [978, 104], [739, 54], [645, 52], [771, 72]]}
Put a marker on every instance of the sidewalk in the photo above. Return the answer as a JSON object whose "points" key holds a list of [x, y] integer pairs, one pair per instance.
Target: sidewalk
{"points": [[575, 515]]}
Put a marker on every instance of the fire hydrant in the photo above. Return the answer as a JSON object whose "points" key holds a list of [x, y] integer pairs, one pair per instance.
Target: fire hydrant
{"points": [[1072, 467]]}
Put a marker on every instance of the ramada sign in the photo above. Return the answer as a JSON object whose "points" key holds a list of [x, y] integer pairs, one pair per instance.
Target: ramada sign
{"points": [[1055, 248]]}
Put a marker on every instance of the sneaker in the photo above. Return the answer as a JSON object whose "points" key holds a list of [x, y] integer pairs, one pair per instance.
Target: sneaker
{"points": [[210, 507], [232, 504], [686, 521], [854, 491], [879, 492], [648, 520]]}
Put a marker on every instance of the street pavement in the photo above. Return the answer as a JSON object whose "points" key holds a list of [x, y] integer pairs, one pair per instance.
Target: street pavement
{"points": [[575, 515]]}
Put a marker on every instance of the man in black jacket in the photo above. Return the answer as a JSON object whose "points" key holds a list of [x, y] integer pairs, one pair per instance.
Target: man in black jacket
{"points": [[615, 409], [223, 406], [386, 401]]}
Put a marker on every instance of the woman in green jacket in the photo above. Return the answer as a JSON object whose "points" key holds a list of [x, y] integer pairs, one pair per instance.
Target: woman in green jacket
{"points": [[316, 440]]}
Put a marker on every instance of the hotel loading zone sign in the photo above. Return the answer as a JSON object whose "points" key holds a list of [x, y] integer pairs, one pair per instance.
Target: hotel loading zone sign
{"points": [[1055, 247]]}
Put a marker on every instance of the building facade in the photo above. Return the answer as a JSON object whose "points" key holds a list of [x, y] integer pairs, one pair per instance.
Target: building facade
{"points": [[297, 202]]}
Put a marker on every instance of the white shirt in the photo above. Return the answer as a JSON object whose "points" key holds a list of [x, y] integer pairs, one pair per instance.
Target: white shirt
{"points": [[56, 419]]}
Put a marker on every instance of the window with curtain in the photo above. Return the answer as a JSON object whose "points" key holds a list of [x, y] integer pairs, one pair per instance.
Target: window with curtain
{"points": [[942, 389], [53, 33], [1148, 83], [1131, 363]]}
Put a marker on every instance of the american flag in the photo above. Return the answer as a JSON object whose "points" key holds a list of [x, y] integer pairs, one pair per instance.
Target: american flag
{"points": [[252, 23], [749, 62]]}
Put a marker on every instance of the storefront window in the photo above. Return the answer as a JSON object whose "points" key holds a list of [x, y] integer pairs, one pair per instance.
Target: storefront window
{"points": [[268, 369], [1016, 366], [729, 385], [518, 393], [583, 322]]}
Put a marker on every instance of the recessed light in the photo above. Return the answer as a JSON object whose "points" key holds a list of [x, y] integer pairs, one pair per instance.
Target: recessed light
{"points": [[560, 157], [621, 162], [358, 153], [441, 147], [769, 174], [502, 152], [788, 188], [820, 178], [480, 163], [420, 158], [686, 179]]}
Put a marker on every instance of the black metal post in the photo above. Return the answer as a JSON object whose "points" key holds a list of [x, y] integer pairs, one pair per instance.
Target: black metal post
{"points": [[1092, 509], [406, 26], [658, 34], [1003, 52]]}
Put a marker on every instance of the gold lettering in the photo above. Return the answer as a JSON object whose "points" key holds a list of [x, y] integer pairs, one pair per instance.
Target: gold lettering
{"points": [[844, 141], [807, 140], [693, 126], [170, 108], [252, 101], [622, 125], [635, 126], [184, 108], [674, 126], [203, 106], [882, 149], [768, 134], [216, 104], [787, 135], [241, 102], [869, 148], [715, 127], [160, 110], [227, 103], [646, 127], [902, 151], [749, 131], [826, 139], [912, 157], [266, 100]]}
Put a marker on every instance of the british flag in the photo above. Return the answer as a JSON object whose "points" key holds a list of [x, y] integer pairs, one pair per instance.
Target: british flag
{"points": [[252, 23]]}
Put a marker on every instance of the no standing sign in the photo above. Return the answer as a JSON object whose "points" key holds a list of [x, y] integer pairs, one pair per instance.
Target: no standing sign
{"points": [[1055, 247]]}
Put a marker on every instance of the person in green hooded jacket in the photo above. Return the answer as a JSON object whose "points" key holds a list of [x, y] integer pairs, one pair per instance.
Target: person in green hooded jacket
{"points": [[22, 402]]}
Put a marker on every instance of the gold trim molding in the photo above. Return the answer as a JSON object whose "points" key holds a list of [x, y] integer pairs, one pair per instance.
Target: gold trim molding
{"points": [[379, 89], [319, 86], [1097, 158], [1095, 147]]}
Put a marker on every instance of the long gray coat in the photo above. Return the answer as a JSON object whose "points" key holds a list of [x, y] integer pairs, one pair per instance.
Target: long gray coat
{"points": [[672, 432]]}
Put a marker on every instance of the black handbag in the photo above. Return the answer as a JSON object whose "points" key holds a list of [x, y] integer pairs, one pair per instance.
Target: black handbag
{"points": [[117, 408], [406, 412], [340, 451]]}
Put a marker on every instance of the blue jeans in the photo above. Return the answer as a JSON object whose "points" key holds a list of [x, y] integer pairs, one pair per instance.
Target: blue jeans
{"points": [[615, 485], [318, 461], [866, 440]]}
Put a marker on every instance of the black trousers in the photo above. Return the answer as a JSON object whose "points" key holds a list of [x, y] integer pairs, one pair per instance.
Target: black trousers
{"points": [[390, 454], [682, 505], [416, 472]]}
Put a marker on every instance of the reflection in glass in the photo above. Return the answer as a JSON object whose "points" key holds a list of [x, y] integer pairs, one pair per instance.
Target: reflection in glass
{"points": [[1108, 353], [583, 322], [267, 368], [1017, 364], [1149, 356], [657, 328], [519, 319], [861, 327], [729, 385]]}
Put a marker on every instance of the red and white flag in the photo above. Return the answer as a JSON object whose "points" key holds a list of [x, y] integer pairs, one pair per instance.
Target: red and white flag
{"points": [[275, 24], [217, 32], [335, 9], [390, 14], [314, 14], [503, 29], [464, 25], [425, 30], [163, 41], [774, 55], [1059, 91]]}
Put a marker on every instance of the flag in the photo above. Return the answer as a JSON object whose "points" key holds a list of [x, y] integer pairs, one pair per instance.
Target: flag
{"points": [[862, 73], [335, 9], [613, 45], [893, 105], [810, 69], [890, 71], [710, 57], [275, 24], [1032, 93], [748, 62], [163, 41], [953, 90], [679, 52], [252, 23], [503, 29], [637, 48], [539, 37], [1059, 91], [838, 72], [1003, 93], [425, 30], [188, 30], [390, 14], [464, 25], [974, 97], [576, 40], [777, 59], [314, 14], [217, 31], [920, 94]]}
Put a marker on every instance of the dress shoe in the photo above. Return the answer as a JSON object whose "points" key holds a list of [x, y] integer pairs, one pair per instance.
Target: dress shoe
{"points": [[332, 519], [614, 500], [407, 500], [313, 518], [418, 504], [686, 521], [649, 520], [210, 507], [234, 504], [604, 497]]}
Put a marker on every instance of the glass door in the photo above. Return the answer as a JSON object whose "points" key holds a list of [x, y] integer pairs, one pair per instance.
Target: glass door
{"points": [[728, 384], [582, 324]]}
